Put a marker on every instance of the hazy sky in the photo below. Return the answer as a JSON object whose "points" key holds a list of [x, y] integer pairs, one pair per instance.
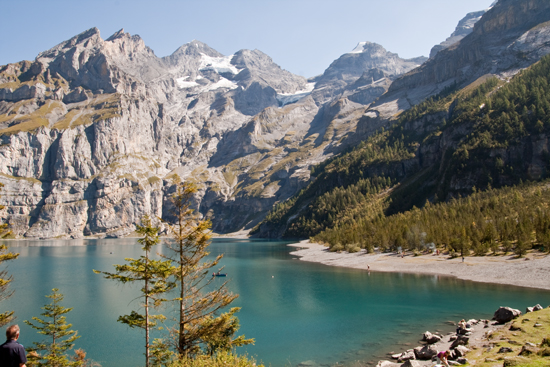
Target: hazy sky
{"points": [[302, 36]]}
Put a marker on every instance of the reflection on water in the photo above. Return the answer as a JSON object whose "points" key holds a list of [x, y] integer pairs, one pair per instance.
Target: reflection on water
{"points": [[296, 311]]}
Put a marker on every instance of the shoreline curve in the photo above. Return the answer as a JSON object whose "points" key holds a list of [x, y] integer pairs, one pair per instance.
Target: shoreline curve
{"points": [[533, 271]]}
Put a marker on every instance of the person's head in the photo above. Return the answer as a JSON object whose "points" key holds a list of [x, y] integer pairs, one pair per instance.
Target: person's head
{"points": [[12, 332], [447, 353]]}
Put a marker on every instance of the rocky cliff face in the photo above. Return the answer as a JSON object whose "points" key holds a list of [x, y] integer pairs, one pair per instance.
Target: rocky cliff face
{"points": [[94, 130], [464, 28]]}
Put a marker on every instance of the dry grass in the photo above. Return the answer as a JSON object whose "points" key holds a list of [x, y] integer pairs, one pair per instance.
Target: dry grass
{"points": [[219, 360]]}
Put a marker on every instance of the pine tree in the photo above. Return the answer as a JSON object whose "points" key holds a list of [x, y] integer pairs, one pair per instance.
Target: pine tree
{"points": [[5, 279], [199, 299], [154, 274], [60, 338]]}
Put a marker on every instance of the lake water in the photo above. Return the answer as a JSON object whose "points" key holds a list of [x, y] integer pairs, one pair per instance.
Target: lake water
{"points": [[296, 311]]}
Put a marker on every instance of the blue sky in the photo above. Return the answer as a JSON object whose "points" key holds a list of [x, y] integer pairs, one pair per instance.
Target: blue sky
{"points": [[302, 36]]}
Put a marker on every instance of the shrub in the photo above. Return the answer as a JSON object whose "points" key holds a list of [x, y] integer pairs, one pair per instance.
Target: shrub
{"points": [[222, 359], [337, 247], [352, 248]]}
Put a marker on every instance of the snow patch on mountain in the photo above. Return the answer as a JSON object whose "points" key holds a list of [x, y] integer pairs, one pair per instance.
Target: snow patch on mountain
{"points": [[220, 65], [222, 83], [288, 98], [184, 84], [359, 48]]}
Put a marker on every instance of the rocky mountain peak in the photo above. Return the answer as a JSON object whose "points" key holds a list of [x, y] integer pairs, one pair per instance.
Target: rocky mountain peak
{"points": [[251, 59], [465, 27], [194, 49], [259, 68], [370, 48], [351, 66], [87, 39]]}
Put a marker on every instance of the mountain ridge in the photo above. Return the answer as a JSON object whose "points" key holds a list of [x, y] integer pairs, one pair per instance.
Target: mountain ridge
{"points": [[93, 132]]}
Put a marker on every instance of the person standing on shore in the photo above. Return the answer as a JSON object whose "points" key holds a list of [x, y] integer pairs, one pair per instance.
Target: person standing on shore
{"points": [[12, 354]]}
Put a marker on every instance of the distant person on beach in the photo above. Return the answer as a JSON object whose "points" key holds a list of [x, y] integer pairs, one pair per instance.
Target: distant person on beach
{"points": [[443, 356], [12, 354], [461, 327]]}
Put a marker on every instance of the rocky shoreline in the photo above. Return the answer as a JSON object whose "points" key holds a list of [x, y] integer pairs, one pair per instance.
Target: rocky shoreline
{"points": [[532, 271], [477, 335]]}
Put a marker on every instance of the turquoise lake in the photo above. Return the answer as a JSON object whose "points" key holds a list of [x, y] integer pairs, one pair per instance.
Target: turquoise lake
{"points": [[296, 311]]}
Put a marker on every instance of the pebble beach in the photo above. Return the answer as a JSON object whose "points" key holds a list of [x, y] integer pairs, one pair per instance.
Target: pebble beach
{"points": [[531, 271]]}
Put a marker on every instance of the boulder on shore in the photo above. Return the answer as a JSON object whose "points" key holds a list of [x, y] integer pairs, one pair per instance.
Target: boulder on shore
{"points": [[425, 353], [405, 356], [430, 338], [459, 351], [460, 340], [534, 308], [387, 364], [505, 314], [411, 363]]}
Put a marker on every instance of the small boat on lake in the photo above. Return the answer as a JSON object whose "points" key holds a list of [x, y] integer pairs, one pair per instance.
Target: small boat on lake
{"points": [[218, 274]]}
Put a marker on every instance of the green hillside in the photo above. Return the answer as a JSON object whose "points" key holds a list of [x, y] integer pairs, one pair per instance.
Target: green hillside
{"points": [[491, 134]]}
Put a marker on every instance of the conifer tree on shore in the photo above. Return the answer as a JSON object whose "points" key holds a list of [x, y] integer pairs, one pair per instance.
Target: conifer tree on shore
{"points": [[154, 275], [60, 338], [5, 279], [199, 299]]}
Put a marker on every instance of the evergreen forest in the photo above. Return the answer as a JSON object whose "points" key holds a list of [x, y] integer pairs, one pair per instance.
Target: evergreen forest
{"points": [[471, 158]]}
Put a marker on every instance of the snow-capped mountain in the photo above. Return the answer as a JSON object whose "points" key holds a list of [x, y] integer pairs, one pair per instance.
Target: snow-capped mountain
{"points": [[93, 131]]}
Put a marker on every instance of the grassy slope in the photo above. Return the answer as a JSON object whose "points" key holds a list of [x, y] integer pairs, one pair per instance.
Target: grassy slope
{"points": [[516, 339]]}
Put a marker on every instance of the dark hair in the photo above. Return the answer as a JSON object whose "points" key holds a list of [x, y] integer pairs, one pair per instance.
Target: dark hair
{"points": [[12, 332]]}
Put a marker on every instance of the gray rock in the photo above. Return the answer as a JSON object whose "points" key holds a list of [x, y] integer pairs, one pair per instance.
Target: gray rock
{"points": [[505, 350], [425, 353], [460, 351], [460, 340], [405, 356], [534, 308], [527, 350], [411, 363], [430, 338], [505, 314], [462, 360]]}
